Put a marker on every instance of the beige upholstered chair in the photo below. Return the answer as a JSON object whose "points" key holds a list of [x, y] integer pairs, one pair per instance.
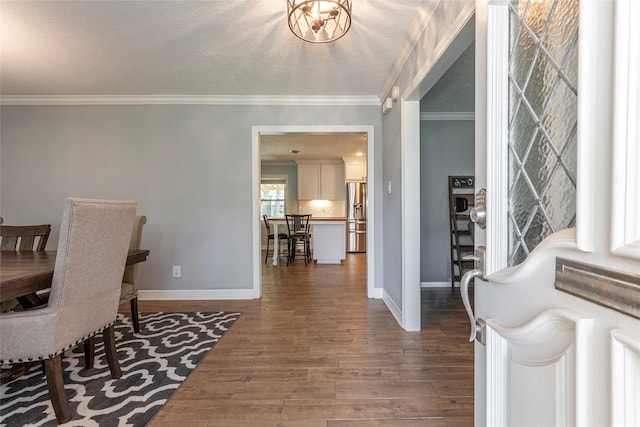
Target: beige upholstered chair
{"points": [[85, 293], [129, 290]]}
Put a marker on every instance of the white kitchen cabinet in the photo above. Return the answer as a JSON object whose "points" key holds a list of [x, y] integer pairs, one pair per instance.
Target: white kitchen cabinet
{"points": [[309, 182], [355, 170], [332, 181], [321, 181]]}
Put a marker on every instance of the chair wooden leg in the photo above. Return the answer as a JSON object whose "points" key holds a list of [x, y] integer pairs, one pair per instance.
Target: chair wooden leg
{"points": [[304, 251], [55, 384], [89, 352], [291, 247], [266, 256], [134, 315], [110, 352]]}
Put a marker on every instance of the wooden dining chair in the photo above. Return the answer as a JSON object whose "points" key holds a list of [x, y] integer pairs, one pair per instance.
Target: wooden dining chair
{"points": [[85, 294], [282, 238], [299, 235], [129, 289], [24, 238]]}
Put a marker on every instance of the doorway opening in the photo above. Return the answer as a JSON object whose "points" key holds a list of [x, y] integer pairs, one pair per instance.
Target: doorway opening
{"points": [[264, 144], [447, 148]]}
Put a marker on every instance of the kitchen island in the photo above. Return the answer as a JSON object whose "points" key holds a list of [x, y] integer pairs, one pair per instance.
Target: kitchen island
{"points": [[328, 235]]}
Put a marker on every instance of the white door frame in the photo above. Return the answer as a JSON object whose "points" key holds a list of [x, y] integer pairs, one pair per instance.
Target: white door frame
{"points": [[460, 37], [371, 191]]}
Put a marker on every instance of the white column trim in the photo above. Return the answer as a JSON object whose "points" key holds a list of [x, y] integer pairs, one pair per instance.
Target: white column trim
{"points": [[625, 206], [410, 158], [497, 135], [587, 119], [625, 379], [497, 384], [256, 246]]}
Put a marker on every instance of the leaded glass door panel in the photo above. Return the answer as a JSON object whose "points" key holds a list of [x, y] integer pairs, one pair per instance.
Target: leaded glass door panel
{"points": [[543, 91]]}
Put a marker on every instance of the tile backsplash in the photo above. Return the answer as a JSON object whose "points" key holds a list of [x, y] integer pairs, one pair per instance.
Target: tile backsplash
{"points": [[322, 208]]}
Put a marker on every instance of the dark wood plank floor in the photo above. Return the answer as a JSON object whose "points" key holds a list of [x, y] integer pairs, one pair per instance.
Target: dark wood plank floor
{"points": [[316, 352]]}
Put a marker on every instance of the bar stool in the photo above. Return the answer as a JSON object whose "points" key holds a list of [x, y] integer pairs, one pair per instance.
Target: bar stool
{"points": [[299, 235]]}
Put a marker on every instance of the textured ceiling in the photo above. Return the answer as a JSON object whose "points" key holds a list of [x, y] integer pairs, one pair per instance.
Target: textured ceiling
{"points": [[311, 146], [216, 47], [455, 91]]}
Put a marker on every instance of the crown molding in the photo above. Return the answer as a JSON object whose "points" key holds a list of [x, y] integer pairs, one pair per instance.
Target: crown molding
{"points": [[448, 116], [185, 100]]}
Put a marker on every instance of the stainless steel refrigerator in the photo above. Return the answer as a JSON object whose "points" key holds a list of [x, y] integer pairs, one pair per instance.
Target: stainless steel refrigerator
{"points": [[356, 216]]}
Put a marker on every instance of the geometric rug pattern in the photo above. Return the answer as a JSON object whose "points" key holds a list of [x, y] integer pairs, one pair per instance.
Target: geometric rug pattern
{"points": [[154, 363]]}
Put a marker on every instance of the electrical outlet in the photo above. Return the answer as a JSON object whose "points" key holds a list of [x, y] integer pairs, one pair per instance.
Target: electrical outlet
{"points": [[177, 271]]}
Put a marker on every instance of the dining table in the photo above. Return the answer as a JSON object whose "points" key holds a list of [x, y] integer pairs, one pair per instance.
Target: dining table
{"points": [[25, 273]]}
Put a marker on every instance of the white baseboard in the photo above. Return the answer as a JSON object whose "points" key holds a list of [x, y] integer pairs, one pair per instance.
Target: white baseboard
{"points": [[212, 294], [197, 294], [393, 308], [376, 293], [446, 284]]}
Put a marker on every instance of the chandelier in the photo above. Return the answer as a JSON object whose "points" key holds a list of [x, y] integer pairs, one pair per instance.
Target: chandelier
{"points": [[319, 21]]}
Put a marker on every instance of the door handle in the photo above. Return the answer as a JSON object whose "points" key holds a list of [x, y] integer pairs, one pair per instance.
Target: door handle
{"points": [[464, 293], [478, 271]]}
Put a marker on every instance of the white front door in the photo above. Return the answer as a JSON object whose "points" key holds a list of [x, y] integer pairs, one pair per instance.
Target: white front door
{"points": [[558, 151]]}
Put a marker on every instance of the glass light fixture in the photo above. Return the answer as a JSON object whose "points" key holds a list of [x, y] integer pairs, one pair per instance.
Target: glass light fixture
{"points": [[319, 21]]}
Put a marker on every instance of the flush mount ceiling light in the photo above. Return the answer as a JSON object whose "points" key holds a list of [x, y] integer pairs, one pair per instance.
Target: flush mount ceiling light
{"points": [[319, 21]]}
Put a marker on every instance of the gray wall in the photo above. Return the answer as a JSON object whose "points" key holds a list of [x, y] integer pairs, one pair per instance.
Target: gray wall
{"points": [[392, 209], [187, 166], [446, 148]]}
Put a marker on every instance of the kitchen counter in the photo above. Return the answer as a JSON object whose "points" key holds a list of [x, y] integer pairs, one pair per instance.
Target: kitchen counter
{"points": [[328, 235]]}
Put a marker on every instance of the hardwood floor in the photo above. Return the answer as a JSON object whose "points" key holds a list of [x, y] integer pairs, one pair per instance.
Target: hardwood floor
{"points": [[316, 352]]}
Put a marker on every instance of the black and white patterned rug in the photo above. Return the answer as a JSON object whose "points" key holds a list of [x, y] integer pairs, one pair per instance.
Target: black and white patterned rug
{"points": [[154, 363]]}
